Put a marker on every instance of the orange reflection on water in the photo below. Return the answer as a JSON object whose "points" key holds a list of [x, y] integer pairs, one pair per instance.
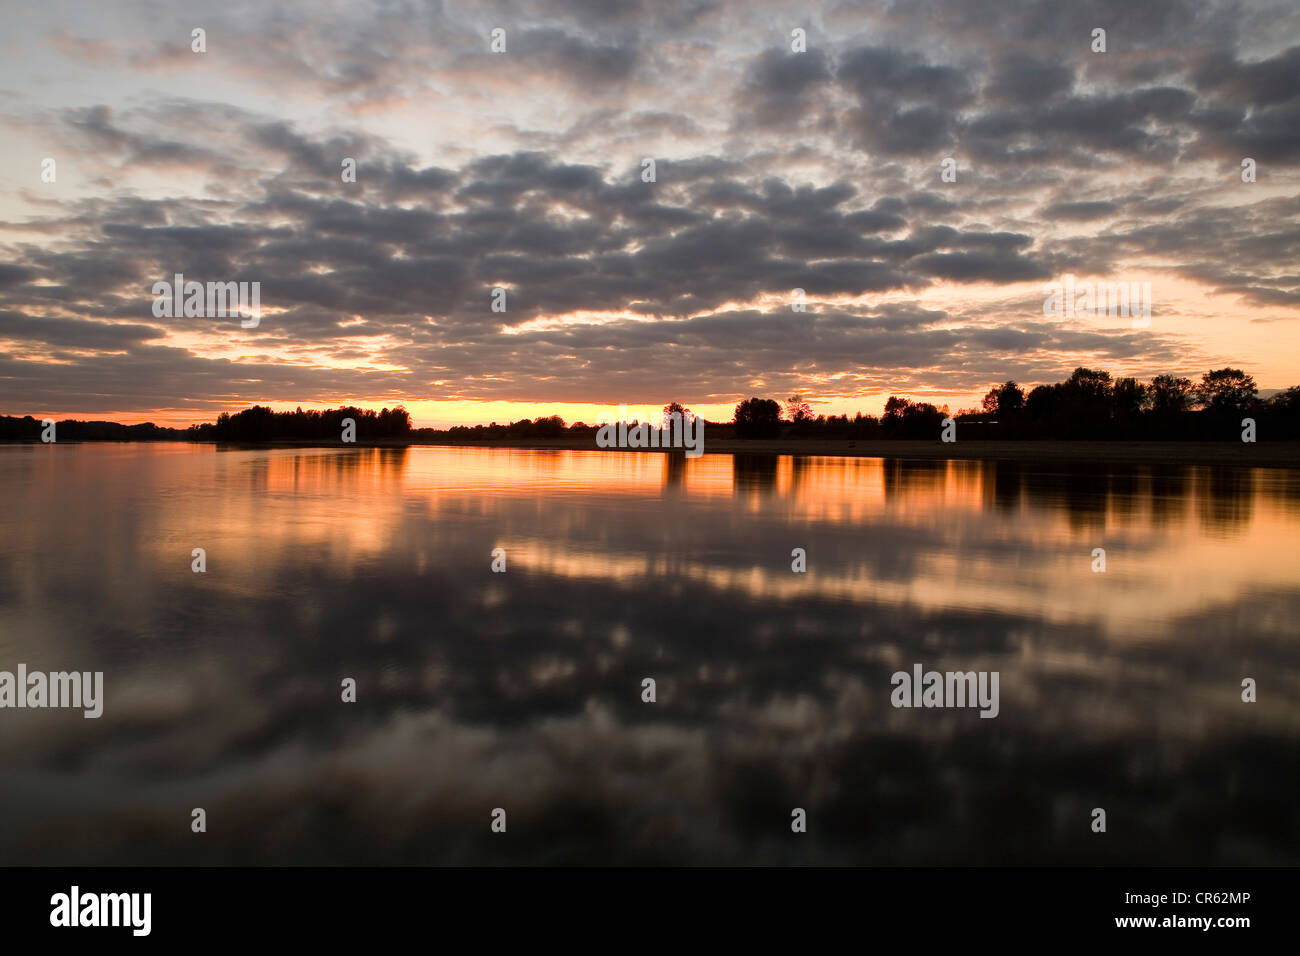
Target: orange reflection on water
{"points": [[984, 535]]}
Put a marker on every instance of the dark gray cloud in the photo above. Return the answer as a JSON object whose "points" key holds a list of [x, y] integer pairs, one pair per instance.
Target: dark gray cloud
{"points": [[1081, 211], [782, 88]]}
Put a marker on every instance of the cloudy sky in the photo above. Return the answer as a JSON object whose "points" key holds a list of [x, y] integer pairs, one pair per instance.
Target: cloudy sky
{"points": [[774, 170]]}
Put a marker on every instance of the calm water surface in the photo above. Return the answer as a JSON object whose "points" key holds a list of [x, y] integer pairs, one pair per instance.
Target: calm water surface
{"points": [[522, 690]]}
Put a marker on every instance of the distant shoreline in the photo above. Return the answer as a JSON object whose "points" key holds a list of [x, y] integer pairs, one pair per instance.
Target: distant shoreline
{"points": [[1278, 454]]}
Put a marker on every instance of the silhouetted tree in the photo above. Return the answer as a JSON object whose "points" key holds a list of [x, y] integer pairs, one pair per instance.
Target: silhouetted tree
{"points": [[1128, 398], [676, 408], [758, 418], [797, 410], [1281, 414], [906, 419], [1226, 391], [922, 420], [894, 407], [1004, 400], [549, 427], [1287, 401], [1011, 399], [1170, 395]]}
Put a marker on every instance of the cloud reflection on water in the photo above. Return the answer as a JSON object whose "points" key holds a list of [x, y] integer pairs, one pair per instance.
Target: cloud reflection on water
{"points": [[522, 690]]}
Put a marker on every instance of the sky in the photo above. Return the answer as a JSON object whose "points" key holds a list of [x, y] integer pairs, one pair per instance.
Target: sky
{"points": [[775, 169]]}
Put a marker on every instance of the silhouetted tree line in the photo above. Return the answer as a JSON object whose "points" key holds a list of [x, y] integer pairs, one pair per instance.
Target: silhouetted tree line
{"points": [[1088, 405], [551, 426], [259, 423], [29, 429]]}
